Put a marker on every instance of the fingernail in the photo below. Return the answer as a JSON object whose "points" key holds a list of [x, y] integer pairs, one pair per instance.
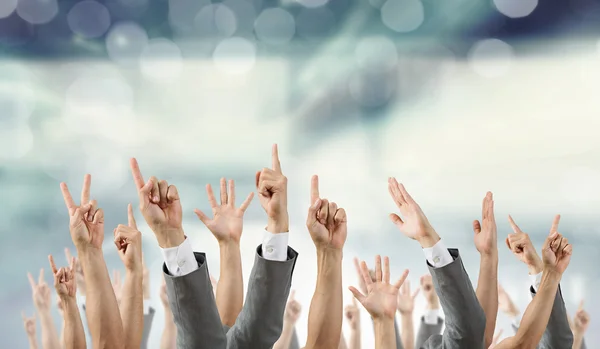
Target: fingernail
{"points": [[155, 199]]}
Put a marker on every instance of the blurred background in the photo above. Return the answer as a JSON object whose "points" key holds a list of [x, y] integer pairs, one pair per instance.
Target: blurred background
{"points": [[454, 98]]}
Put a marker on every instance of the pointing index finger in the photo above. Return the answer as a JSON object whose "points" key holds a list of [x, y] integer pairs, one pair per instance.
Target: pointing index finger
{"points": [[130, 217], [137, 174], [314, 189], [52, 264], [555, 223], [71, 206], [85, 191], [275, 159], [514, 225]]}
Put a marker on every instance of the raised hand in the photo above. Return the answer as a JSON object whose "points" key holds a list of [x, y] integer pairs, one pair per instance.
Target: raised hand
{"points": [[117, 286], [414, 223], [406, 299], [520, 245], [161, 208], [505, 303], [213, 282], [271, 185], [79, 277], [64, 279], [486, 236], [381, 298], [128, 240], [227, 222], [292, 309], [40, 292], [431, 296], [556, 252], [29, 324], [581, 320], [362, 287], [326, 222], [86, 220], [353, 314]]}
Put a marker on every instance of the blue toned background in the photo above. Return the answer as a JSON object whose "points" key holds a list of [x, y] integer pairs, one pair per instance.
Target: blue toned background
{"points": [[453, 98]]}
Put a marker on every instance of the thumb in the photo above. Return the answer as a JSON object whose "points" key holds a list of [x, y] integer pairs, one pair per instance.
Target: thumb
{"points": [[292, 295], [130, 218], [396, 220], [548, 242], [476, 227], [203, 217], [580, 305], [356, 293]]}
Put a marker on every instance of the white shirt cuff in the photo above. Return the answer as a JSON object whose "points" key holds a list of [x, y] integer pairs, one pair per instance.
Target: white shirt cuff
{"points": [[438, 255], [536, 280], [146, 307], [180, 260], [275, 246], [431, 316]]}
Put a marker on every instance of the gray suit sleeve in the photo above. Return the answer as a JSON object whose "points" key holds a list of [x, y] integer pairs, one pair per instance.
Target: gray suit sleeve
{"points": [[558, 334], [427, 330], [260, 322], [465, 320], [147, 327], [294, 343], [192, 302], [583, 346]]}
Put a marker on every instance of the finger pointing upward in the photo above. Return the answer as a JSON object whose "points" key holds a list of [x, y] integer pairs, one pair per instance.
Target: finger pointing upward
{"points": [[130, 217], [314, 189], [275, 159], [137, 174]]}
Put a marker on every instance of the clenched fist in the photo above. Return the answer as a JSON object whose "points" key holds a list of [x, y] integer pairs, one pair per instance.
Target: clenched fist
{"points": [[128, 240], [292, 309], [353, 314], [326, 222], [161, 208], [86, 220], [556, 253], [520, 245], [271, 185]]}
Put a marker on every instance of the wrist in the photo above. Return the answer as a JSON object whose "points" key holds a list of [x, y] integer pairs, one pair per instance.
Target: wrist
{"points": [[489, 257], [170, 238], [406, 314], [429, 240], [278, 225], [513, 312], [135, 272], [433, 304], [229, 245], [550, 274], [535, 267]]}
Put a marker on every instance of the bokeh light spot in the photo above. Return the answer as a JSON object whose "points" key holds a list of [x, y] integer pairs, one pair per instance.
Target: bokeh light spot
{"points": [[235, 55], [37, 11], [376, 51], [161, 60], [516, 8], [275, 26], [7, 7], [89, 19], [402, 16], [215, 20], [491, 58], [125, 42]]}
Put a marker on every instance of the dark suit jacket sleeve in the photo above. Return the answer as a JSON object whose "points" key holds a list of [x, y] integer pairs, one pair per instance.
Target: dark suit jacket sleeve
{"points": [[192, 302], [147, 327], [558, 333], [260, 322], [426, 330], [465, 319]]}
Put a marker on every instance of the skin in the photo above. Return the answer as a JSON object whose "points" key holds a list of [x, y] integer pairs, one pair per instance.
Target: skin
{"points": [[381, 301], [485, 239], [226, 226], [293, 309], [42, 301], [86, 227], [29, 324], [406, 306], [327, 225], [353, 317]]}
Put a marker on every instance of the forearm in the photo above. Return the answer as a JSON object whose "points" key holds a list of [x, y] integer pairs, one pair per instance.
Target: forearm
{"points": [[487, 293], [535, 318], [343, 344], [230, 289], [385, 334], [577, 340], [32, 342], [286, 336], [169, 335], [325, 314], [354, 342], [62, 334], [49, 332], [132, 309], [408, 331], [102, 311], [74, 336]]}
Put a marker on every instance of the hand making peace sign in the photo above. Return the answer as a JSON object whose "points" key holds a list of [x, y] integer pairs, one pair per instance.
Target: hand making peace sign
{"points": [[86, 220]]}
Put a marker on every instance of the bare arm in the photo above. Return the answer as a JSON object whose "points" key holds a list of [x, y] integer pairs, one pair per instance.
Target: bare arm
{"points": [[42, 301], [74, 336], [29, 324], [408, 331], [226, 226], [325, 314], [286, 336], [406, 306], [129, 244], [290, 317], [168, 340], [49, 333], [385, 333], [487, 286], [579, 325], [353, 317], [343, 344]]}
